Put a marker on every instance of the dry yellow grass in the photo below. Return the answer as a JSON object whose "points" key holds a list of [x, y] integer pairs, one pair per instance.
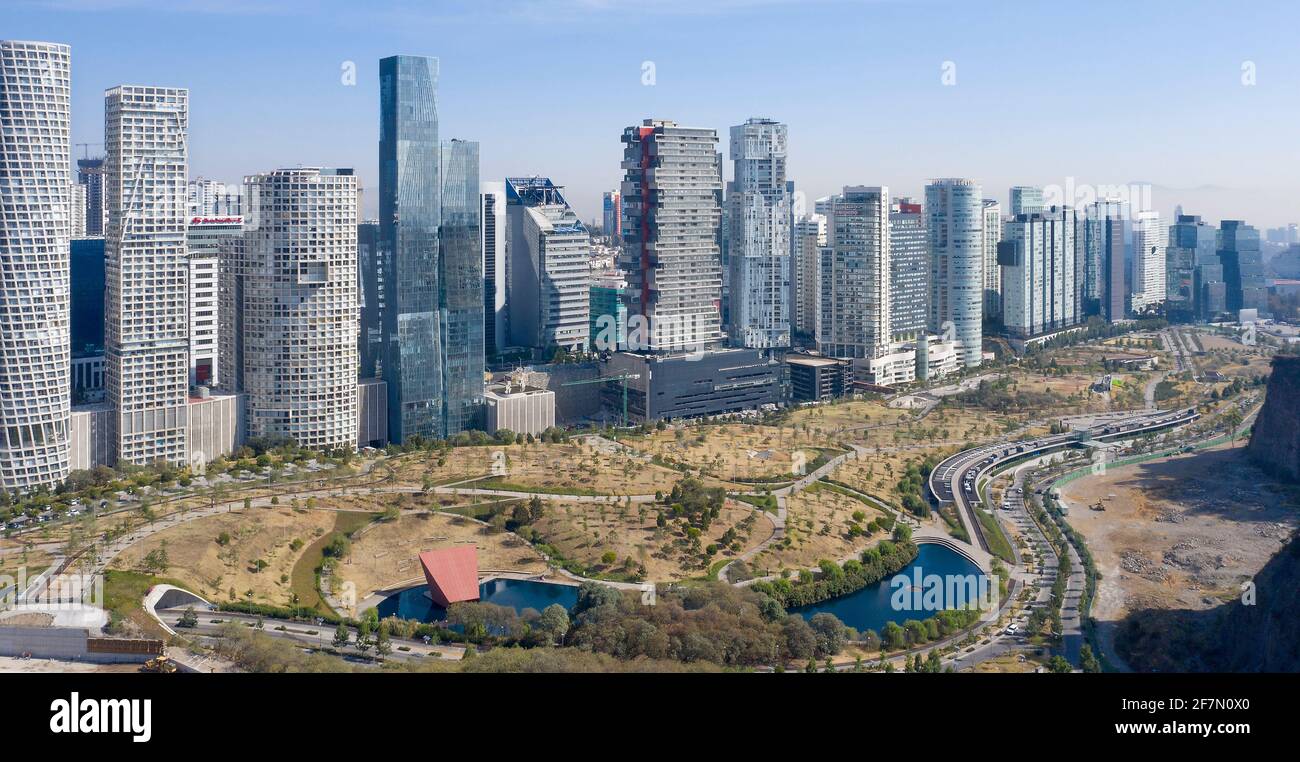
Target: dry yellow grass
{"points": [[816, 528], [584, 532], [386, 553], [212, 569]]}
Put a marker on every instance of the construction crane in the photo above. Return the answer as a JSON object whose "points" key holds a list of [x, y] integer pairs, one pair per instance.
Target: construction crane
{"points": [[625, 377]]}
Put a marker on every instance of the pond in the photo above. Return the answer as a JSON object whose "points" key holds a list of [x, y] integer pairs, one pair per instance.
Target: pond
{"points": [[872, 606], [519, 594]]}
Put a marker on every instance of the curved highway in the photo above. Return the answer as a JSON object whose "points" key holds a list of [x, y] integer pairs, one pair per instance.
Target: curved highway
{"points": [[956, 480]]}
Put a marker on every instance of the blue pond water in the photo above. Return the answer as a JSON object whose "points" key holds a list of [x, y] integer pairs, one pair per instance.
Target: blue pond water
{"points": [[869, 608], [519, 594]]}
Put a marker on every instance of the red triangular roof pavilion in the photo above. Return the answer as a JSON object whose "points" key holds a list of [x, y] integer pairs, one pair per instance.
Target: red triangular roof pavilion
{"points": [[452, 574]]}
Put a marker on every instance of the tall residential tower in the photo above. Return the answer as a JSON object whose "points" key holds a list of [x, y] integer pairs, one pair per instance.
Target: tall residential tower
{"points": [[35, 224]]}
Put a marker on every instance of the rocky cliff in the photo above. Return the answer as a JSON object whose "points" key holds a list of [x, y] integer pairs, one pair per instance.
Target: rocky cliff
{"points": [[1275, 443], [1260, 633]]}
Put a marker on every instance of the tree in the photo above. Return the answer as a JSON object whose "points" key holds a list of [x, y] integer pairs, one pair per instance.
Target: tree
{"points": [[554, 622], [383, 641], [363, 636], [830, 633], [1087, 660], [189, 619], [341, 636], [1059, 664]]}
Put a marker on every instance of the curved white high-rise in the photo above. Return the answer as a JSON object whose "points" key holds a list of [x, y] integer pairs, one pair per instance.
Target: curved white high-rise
{"points": [[35, 226], [954, 209]]}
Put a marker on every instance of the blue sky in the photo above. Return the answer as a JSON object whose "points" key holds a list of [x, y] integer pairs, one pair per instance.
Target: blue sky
{"points": [[1101, 92]]}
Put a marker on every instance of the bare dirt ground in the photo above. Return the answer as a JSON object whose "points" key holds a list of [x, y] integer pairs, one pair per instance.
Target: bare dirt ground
{"points": [[585, 532], [1182, 532], [278, 537], [386, 553], [41, 666]]}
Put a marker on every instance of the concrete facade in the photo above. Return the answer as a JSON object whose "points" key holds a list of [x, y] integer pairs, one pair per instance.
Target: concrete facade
{"points": [[524, 411]]}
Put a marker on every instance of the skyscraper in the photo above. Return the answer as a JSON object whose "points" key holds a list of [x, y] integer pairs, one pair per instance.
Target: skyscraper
{"points": [[550, 251], [410, 213], [370, 295], [1026, 199], [992, 273], [1148, 280], [1105, 232], [35, 222], [1243, 267], [808, 238], [90, 173], [460, 287], [147, 298], [1196, 290], [759, 201], [298, 267], [495, 307], [1038, 258], [203, 241], [612, 224], [855, 275], [954, 211], [670, 252], [909, 270]]}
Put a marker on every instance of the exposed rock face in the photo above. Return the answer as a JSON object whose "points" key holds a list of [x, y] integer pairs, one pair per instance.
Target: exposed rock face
{"points": [[1275, 441], [1260, 633]]}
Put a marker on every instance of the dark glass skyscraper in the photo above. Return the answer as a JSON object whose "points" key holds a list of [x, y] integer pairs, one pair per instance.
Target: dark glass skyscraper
{"points": [[410, 213], [1243, 266], [460, 279]]}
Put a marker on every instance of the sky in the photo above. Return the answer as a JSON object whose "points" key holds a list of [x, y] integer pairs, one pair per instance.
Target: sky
{"points": [[1196, 102]]}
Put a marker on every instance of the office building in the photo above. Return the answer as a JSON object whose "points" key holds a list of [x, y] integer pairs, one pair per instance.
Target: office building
{"points": [[203, 243], [35, 224], [759, 218], [212, 198], [1038, 259], [855, 275], [992, 273], [808, 238], [460, 260], [1243, 267], [297, 273], [496, 327], [909, 270], [370, 297], [1026, 199], [549, 250], [147, 272], [671, 254], [1105, 235], [410, 214], [1148, 279], [1195, 287], [608, 315], [954, 211], [612, 222], [691, 384], [814, 378], [90, 174]]}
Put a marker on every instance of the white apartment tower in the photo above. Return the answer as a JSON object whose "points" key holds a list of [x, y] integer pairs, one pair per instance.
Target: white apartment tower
{"points": [[759, 200], [1039, 262], [203, 243], [954, 210], [35, 224], [295, 321], [808, 236], [146, 299], [1148, 280], [671, 255], [855, 275], [992, 273]]}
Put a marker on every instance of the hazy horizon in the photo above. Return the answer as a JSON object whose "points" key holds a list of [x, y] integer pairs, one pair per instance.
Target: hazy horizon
{"points": [[1191, 98]]}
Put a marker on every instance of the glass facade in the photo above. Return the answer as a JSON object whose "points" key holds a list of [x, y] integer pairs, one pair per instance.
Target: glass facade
{"points": [[410, 213], [460, 278]]}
